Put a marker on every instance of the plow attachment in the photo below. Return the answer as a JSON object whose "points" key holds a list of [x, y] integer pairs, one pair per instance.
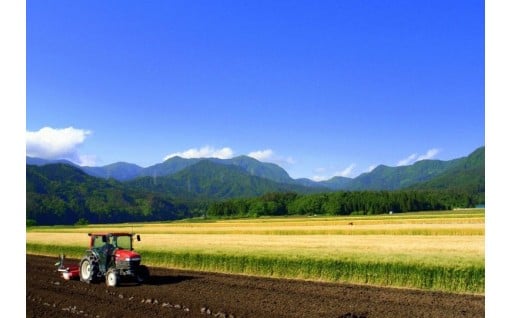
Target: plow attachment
{"points": [[67, 271]]}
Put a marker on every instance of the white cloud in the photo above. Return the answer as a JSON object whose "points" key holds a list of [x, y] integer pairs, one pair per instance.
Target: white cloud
{"points": [[408, 160], [87, 160], [370, 168], [346, 172], [431, 153], [262, 155], [268, 155], [320, 176], [288, 160], [54, 143], [204, 152]]}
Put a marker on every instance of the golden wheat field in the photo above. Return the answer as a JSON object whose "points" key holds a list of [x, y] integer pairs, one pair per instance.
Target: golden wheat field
{"points": [[442, 250], [427, 238]]}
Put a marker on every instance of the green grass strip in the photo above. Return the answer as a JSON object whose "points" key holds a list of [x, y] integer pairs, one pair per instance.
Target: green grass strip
{"points": [[470, 279], [458, 280], [55, 250]]}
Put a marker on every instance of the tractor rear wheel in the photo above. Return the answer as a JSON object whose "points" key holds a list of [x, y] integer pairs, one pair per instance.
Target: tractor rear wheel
{"points": [[142, 274], [86, 270], [111, 279]]}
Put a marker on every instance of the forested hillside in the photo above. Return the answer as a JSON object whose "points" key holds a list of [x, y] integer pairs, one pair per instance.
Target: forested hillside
{"points": [[471, 171], [62, 194], [465, 176], [209, 180]]}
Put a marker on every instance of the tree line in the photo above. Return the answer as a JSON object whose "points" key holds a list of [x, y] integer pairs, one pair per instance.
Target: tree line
{"points": [[342, 203]]}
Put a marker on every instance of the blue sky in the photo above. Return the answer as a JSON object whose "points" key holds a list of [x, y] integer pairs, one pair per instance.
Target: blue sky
{"points": [[322, 88]]}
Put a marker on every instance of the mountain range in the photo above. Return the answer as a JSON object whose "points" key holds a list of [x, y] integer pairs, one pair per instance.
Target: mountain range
{"points": [[246, 176], [60, 192]]}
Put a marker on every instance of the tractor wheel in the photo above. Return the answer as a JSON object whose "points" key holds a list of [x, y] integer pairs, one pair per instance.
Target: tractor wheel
{"points": [[142, 274], [111, 279], [86, 270]]}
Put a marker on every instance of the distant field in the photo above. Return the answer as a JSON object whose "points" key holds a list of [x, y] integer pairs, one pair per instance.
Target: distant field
{"points": [[428, 250]]}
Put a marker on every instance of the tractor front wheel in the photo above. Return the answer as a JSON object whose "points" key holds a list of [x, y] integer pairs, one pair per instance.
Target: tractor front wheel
{"points": [[111, 278], [86, 270]]}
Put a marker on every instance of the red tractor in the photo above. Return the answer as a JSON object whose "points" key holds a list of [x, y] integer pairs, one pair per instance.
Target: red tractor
{"points": [[110, 256]]}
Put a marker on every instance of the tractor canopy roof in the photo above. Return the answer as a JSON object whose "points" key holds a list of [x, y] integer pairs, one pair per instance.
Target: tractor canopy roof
{"points": [[111, 234], [116, 239]]}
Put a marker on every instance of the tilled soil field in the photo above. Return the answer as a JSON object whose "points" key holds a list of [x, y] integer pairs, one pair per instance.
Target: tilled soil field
{"points": [[177, 293]]}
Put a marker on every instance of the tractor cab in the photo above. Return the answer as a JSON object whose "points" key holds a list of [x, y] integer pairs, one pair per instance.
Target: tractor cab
{"points": [[117, 240], [114, 249]]}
